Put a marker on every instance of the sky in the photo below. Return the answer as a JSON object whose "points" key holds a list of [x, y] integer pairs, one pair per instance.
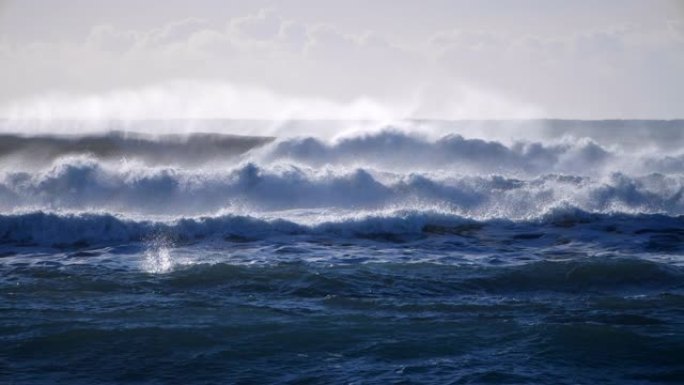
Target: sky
{"points": [[324, 59]]}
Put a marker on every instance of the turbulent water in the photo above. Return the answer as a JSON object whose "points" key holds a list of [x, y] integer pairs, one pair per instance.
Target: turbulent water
{"points": [[426, 252]]}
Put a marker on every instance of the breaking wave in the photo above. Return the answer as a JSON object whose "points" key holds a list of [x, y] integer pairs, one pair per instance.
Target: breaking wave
{"points": [[88, 229], [122, 185], [85, 183]]}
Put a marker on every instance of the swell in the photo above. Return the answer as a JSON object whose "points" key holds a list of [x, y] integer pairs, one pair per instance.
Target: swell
{"points": [[421, 280]]}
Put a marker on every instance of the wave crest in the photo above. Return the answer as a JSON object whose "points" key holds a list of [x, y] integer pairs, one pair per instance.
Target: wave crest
{"points": [[82, 183], [78, 230]]}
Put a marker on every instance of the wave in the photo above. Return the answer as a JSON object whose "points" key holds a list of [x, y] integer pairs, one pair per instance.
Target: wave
{"points": [[86, 184], [604, 274], [395, 150], [649, 232], [209, 174], [631, 134], [407, 147]]}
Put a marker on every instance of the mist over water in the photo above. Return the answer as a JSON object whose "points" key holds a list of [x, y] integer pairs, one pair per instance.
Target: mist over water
{"points": [[413, 251]]}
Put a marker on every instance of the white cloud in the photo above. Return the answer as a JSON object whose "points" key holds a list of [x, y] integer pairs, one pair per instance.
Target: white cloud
{"points": [[108, 38], [607, 71], [264, 25], [622, 70]]}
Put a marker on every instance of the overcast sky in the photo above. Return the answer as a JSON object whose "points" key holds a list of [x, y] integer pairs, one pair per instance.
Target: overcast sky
{"points": [[332, 59]]}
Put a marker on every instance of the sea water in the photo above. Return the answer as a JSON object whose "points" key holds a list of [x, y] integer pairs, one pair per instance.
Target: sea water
{"points": [[372, 258]]}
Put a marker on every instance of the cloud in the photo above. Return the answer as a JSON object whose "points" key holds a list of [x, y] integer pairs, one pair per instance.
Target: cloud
{"points": [[286, 70], [609, 71], [263, 49], [623, 70], [107, 38], [676, 28], [175, 32], [264, 25]]}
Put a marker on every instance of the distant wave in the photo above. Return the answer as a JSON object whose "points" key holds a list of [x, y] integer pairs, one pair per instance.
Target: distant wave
{"points": [[399, 151], [391, 148], [188, 149]]}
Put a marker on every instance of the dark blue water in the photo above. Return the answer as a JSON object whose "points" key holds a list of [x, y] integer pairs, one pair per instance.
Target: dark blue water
{"points": [[489, 303]]}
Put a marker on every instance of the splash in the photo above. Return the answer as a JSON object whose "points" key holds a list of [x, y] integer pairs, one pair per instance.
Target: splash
{"points": [[186, 106], [158, 258], [191, 101]]}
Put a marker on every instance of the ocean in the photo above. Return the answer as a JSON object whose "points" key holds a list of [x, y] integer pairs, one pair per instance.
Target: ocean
{"points": [[523, 252]]}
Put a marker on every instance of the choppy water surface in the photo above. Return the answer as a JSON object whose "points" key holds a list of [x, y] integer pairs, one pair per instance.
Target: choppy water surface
{"points": [[375, 259]]}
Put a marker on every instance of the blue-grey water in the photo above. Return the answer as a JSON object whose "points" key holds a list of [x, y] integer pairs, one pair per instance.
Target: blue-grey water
{"points": [[382, 258]]}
